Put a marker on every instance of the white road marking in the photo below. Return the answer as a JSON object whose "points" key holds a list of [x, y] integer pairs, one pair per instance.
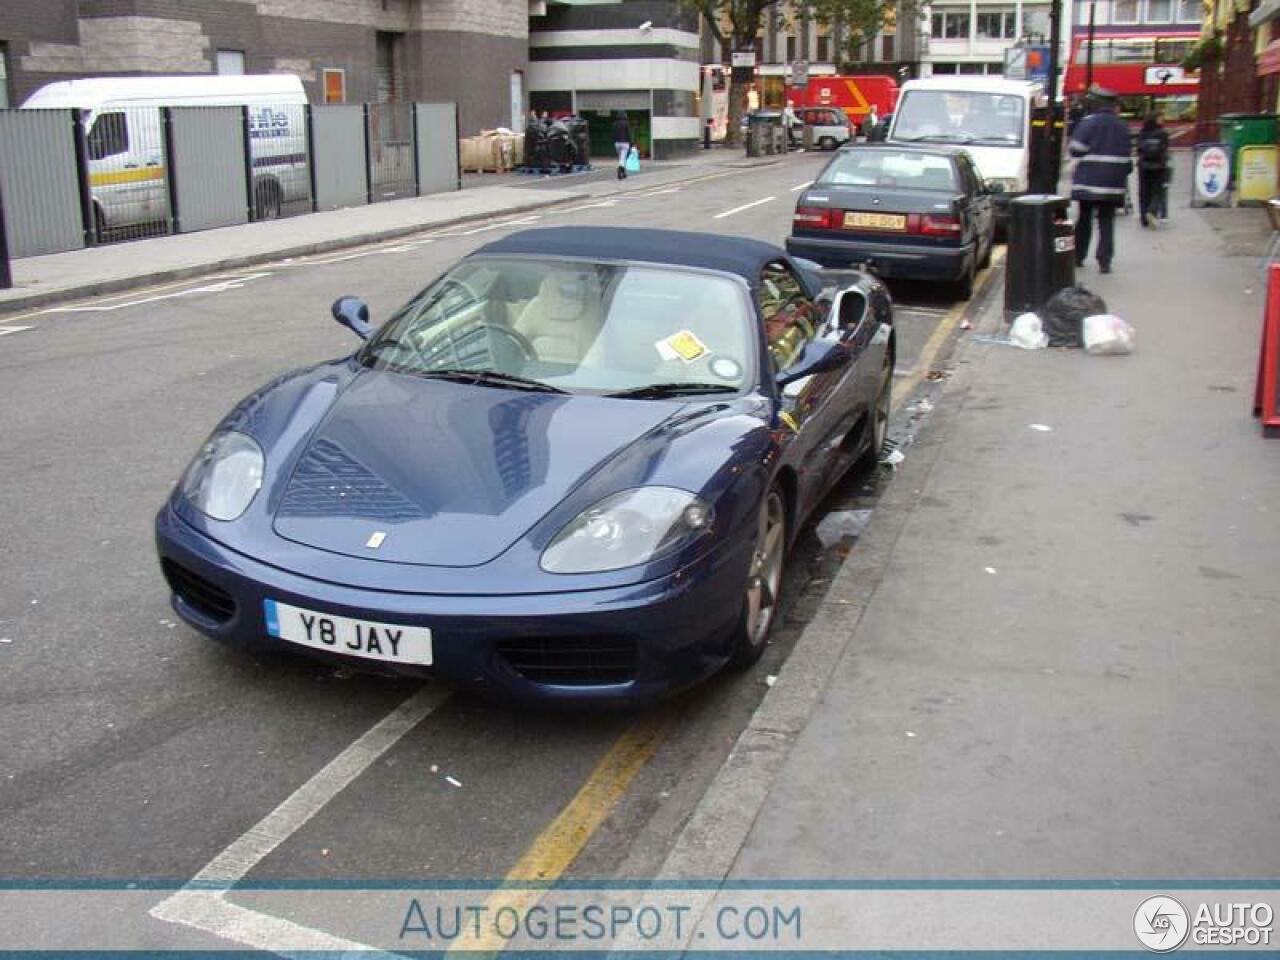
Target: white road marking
{"points": [[589, 206], [220, 285], [4, 331], [745, 206], [801, 186], [200, 903]]}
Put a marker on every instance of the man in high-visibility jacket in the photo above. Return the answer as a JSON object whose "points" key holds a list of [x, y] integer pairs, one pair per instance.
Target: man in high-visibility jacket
{"points": [[1100, 143]]}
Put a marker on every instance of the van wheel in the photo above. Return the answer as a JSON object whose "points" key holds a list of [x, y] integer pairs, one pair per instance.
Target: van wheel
{"points": [[99, 224], [266, 200], [828, 143]]}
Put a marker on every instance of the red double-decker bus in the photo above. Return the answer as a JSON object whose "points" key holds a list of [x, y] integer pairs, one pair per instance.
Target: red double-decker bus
{"points": [[1144, 70]]}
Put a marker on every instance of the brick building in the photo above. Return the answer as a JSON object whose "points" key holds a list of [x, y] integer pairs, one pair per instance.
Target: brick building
{"points": [[474, 52]]}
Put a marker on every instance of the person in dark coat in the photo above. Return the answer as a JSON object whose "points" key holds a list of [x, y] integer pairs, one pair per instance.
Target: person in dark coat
{"points": [[621, 141], [1153, 169], [1101, 146]]}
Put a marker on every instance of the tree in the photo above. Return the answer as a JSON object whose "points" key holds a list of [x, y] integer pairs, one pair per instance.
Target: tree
{"points": [[736, 23]]}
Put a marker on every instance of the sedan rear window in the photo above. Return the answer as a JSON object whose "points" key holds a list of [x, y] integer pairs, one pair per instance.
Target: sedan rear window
{"points": [[908, 169]]}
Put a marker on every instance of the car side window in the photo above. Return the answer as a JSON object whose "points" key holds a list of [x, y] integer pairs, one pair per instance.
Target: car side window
{"points": [[790, 317], [109, 136]]}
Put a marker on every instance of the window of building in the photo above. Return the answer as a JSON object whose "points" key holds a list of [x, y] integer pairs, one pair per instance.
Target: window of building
{"points": [[949, 24], [941, 69], [886, 48], [4, 75], [335, 86], [1124, 11], [230, 63], [997, 24], [1189, 11], [824, 49], [1035, 23], [791, 49], [1159, 11]]}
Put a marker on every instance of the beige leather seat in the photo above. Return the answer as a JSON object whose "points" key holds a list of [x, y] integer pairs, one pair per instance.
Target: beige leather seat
{"points": [[563, 320]]}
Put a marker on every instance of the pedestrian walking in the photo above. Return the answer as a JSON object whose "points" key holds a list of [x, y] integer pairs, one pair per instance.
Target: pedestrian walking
{"points": [[790, 123], [621, 141], [1153, 170], [873, 121], [1101, 147]]}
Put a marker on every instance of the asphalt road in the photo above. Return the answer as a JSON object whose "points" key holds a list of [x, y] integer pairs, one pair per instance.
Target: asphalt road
{"points": [[131, 747]]}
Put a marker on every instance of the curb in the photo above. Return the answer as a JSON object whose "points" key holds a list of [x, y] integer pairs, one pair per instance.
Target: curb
{"points": [[121, 284], [708, 845]]}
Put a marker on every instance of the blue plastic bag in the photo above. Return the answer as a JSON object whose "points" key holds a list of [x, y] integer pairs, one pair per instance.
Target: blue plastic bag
{"points": [[633, 161]]}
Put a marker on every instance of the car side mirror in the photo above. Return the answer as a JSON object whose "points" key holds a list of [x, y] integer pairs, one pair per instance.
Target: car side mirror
{"points": [[818, 356], [353, 313], [993, 186]]}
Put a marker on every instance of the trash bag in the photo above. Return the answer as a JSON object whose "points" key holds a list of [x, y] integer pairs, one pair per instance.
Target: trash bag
{"points": [[1063, 316], [1028, 333], [1108, 335], [633, 161]]}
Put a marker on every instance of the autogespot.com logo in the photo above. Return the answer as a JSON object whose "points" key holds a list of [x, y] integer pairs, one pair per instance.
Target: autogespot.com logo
{"points": [[1161, 924]]}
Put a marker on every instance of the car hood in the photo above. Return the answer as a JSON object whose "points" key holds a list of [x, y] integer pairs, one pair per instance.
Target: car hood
{"points": [[450, 474]]}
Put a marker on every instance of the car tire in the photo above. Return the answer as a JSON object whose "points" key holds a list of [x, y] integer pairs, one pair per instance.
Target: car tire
{"points": [[880, 413], [764, 583], [828, 143]]}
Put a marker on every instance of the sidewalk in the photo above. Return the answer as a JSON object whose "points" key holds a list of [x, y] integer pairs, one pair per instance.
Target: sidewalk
{"points": [[39, 281], [1054, 653]]}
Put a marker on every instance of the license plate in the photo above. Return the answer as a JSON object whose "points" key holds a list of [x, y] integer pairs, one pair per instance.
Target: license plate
{"points": [[876, 221], [393, 642]]}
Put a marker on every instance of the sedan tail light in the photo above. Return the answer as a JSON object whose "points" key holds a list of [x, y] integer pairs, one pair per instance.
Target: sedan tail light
{"points": [[815, 218], [938, 225]]}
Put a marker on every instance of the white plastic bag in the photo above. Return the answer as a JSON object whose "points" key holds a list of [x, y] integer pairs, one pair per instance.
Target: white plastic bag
{"points": [[1028, 333], [1108, 335]]}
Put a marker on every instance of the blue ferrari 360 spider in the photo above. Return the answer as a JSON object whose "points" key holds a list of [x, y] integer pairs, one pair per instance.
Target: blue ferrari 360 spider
{"points": [[570, 468]]}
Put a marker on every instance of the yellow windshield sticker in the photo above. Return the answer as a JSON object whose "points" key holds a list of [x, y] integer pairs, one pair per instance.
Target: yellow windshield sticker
{"points": [[681, 346]]}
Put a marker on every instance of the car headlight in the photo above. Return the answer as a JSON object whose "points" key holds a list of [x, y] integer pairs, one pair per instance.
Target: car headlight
{"points": [[225, 476], [625, 529]]}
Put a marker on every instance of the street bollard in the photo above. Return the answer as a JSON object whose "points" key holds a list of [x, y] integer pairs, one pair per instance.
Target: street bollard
{"points": [[1041, 259]]}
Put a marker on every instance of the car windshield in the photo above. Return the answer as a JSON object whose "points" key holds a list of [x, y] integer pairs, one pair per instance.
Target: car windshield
{"points": [[578, 327], [907, 169], [960, 116]]}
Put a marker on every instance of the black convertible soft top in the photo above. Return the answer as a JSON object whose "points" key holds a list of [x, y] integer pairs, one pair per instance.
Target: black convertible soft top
{"points": [[738, 255]]}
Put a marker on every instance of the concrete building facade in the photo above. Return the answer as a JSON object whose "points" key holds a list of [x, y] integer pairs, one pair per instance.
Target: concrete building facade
{"points": [[474, 52], [638, 56]]}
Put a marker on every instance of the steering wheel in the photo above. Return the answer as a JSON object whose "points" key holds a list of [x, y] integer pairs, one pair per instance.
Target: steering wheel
{"points": [[515, 336]]}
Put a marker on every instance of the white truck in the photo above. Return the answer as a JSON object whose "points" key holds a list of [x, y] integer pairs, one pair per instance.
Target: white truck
{"points": [[127, 171]]}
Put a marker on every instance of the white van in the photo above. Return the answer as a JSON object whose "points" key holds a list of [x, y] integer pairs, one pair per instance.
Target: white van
{"points": [[127, 175], [989, 116]]}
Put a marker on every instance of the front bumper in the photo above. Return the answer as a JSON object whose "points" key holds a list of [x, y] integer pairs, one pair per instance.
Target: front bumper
{"points": [[887, 259], [675, 629]]}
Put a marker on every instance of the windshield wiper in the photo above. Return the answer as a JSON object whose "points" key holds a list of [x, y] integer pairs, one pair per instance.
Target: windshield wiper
{"points": [[491, 378], [656, 391], [376, 347]]}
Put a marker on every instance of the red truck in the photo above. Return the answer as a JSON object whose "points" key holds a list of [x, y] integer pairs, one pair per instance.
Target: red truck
{"points": [[854, 95]]}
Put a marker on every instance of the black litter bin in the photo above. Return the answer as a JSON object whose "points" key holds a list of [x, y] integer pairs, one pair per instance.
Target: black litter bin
{"points": [[580, 136], [560, 148], [536, 155], [1042, 251]]}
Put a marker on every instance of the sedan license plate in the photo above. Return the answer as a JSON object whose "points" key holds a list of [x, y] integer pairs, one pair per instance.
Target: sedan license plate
{"points": [[855, 220], [393, 642]]}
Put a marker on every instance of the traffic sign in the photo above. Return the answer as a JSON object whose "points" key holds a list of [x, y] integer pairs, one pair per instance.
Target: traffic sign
{"points": [[800, 73]]}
